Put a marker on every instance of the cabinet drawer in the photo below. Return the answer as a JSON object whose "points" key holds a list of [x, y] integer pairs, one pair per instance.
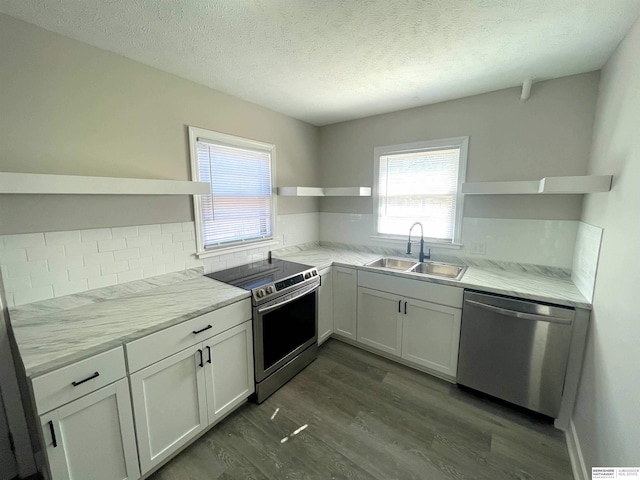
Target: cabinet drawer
{"points": [[153, 348], [418, 289], [57, 388]]}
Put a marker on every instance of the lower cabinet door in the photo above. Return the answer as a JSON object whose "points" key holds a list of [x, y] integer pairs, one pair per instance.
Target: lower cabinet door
{"points": [[379, 320], [430, 336], [325, 306], [229, 369], [92, 437], [169, 405]]}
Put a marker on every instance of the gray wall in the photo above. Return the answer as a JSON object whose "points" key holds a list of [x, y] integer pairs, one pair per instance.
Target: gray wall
{"points": [[606, 416], [70, 108], [550, 134]]}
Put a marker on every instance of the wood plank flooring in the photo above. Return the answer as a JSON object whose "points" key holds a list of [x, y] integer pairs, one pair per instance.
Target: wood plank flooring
{"points": [[370, 418]]}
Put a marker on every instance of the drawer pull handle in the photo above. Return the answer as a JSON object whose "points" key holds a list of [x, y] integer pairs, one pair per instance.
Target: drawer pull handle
{"points": [[195, 332], [75, 384], [201, 358], [399, 303], [53, 434], [405, 308], [209, 350]]}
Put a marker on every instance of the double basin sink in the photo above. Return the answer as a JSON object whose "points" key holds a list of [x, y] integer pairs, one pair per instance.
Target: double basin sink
{"points": [[430, 269]]}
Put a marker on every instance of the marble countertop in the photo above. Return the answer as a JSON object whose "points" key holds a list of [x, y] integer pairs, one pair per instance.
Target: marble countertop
{"points": [[57, 332], [533, 283], [60, 331]]}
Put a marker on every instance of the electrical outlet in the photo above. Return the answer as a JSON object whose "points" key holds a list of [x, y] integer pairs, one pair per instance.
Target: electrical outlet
{"points": [[479, 248]]}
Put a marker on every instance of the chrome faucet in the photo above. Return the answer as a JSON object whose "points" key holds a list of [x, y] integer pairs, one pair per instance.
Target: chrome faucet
{"points": [[422, 255]]}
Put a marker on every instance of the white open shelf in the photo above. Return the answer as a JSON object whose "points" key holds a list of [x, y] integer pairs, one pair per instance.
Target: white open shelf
{"points": [[37, 183], [548, 185], [324, 192]]}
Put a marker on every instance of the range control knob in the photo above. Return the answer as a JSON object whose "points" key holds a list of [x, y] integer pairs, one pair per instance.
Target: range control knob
{"points": [[307, 275], [314, 273], [261, 293], [270, 289]]}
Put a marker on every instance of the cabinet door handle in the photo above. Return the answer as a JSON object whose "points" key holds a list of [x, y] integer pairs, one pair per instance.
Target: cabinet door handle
{"points": [[201, 358], [53, 434], [399, 303], [195, 332], [405, 308], [209, 350], [75, 384]]}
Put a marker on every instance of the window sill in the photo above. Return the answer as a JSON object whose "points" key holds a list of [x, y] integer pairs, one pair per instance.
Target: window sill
{"points": [[399, 241], [236, 248]]}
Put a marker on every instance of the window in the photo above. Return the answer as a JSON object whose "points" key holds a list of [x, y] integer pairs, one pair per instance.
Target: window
{"points": [[420, 182], [240, 209]]}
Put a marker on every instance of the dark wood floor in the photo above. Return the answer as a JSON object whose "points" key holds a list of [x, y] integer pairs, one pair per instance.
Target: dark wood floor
{"points": [[369, 418]]}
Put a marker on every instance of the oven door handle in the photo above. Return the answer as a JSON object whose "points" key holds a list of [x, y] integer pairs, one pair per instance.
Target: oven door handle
{"points": [[264, 310]]}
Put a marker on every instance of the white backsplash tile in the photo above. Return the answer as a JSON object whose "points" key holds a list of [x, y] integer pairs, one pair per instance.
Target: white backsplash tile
{"points": [[102, 281], [95, 234], [585, 258], [23, 240], [148, 230], [171, 227], [538, 242], [124, 232], [31, 295], [39, 266], [111, 244], [49, 278], [42, 253], [126, 254], [62, 238], [13, 255], [69, 288], [82, 248]]}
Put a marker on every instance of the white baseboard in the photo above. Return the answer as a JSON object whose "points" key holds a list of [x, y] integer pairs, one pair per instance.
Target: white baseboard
{"points": [[575, 453]]}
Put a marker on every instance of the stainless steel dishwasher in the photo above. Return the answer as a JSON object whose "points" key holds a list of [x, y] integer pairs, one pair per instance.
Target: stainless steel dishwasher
{"points": [[515, 350]]}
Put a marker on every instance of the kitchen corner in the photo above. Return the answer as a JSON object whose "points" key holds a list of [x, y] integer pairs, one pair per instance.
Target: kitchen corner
{"points": [[533, 282], [203, 269]]}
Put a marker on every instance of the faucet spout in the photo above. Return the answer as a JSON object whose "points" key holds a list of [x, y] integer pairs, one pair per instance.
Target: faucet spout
{"points": [[422, 255]]}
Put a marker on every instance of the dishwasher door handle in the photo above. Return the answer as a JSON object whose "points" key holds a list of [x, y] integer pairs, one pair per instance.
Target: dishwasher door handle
{"points": [[522, 315]]}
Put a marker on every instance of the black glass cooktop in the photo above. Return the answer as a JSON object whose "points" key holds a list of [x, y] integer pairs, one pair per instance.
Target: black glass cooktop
{"points": [[257, 274]]}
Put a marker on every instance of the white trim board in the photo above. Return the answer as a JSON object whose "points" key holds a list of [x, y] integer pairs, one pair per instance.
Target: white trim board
{"points": [[575, 453], [39, 183]]}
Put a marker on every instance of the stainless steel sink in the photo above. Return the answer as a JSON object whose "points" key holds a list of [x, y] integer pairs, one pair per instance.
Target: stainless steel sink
{"points": [[436, 269], [431, 269], [392, 263]]}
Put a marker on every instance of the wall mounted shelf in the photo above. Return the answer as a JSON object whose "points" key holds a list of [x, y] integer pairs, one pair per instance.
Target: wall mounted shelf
{"points": [[37, 183], [324, 192], [548, 185]]}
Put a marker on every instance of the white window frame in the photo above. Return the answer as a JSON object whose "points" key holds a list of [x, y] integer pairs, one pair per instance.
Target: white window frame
{"points": [[458, 142], [218, 137]]}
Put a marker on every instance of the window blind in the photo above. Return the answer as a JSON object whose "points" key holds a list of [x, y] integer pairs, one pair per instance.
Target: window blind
{"points": [[239, 209], [419, 186]]}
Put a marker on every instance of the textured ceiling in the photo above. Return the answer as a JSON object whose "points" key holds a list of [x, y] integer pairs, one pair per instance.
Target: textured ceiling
{"points": [[325, 61]]}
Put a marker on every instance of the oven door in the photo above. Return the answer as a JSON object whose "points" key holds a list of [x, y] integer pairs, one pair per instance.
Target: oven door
{"points": [[283, 328]]}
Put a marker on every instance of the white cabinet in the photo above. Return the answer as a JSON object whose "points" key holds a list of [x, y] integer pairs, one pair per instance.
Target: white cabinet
{"points": [[92, 437], [430, 336], [392, 320], [325, 306], [345, 284], [228, 370], [379, 320], [178, 397], [169, 404]]}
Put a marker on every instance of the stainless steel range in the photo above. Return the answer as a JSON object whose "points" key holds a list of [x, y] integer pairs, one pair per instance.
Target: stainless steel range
{"points": [[285, 318]]}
